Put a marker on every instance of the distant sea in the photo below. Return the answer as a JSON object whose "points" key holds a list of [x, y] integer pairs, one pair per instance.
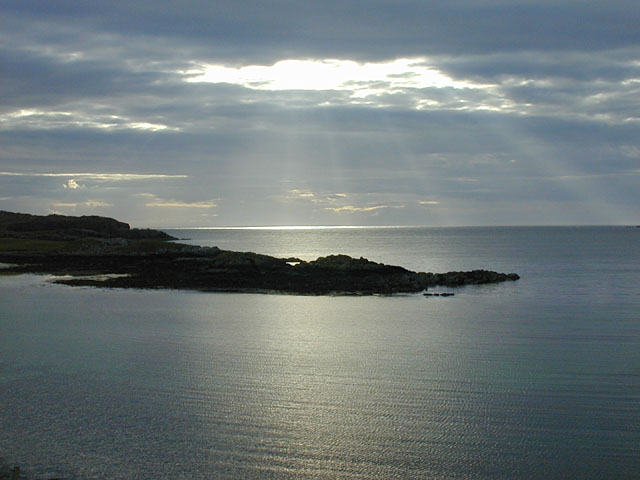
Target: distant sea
{"points": [[533, 379]]}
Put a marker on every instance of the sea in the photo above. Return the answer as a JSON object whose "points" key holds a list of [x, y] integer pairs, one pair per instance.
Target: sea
{"points": [[533, 379]]}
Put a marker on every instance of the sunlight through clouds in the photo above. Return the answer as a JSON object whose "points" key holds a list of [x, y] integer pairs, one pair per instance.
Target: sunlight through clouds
{"points": [[362, 79], [323, 113]]}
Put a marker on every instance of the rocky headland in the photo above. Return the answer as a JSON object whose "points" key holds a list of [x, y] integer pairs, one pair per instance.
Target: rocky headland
{"points": [[99, 251]]}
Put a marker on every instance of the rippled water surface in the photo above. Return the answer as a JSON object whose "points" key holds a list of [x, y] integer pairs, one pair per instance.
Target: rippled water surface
{"points": [[538, 378]]}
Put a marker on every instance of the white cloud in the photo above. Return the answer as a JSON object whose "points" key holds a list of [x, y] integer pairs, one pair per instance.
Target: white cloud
{"points": [[80, 118], [159, 202], [72, 184], [111, 177], [87, 204], [314, 197], [302, 194], [145, 195], [176, 204], [353, 209], [154, 127]]}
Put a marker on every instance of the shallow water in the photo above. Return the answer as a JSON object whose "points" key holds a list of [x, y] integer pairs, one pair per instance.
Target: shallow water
{"points": [[538, 378]]}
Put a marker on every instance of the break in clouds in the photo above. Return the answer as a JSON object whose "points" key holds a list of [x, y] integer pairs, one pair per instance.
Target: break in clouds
{"points": [[253, 113]]}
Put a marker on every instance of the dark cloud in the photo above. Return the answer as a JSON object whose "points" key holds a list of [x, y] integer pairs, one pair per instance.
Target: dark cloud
{"points": [[265, 31], [31, 80]]}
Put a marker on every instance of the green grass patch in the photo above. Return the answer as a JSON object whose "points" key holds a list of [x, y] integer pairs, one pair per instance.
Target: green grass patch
{"points": [[8, 244]]}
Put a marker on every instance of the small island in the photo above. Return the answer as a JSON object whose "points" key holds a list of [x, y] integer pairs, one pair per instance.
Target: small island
{"points": [[103, 252]]}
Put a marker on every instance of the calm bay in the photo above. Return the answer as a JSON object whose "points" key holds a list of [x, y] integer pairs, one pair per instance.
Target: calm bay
{"points": [[538, 378]]}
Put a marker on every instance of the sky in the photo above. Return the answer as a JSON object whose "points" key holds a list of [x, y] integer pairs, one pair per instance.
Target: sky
{"points": [[370, 112]]}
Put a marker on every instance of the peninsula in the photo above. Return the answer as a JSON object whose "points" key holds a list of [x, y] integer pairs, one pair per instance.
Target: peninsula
{"points": [[100, 251]]}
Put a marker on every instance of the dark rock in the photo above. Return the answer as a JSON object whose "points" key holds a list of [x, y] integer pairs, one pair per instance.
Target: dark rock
{"points": [[61, 227], [473, 277], [148, 234]]}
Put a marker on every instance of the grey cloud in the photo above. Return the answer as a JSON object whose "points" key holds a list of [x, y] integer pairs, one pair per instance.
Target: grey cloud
{"points": [[611, 65], [31, 79], [259, 31]]}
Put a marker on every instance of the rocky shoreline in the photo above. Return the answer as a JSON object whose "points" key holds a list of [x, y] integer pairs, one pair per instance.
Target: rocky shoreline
{"points": [[93, 251]]}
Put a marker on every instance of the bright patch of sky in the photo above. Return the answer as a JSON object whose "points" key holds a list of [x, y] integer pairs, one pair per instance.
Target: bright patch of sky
{"points": [[362, 79]]}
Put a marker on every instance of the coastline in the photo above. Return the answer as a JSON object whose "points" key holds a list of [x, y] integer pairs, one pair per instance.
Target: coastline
{"points": [[102, 252]]}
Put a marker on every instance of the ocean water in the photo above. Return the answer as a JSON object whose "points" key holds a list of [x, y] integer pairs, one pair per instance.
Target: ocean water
{"points": [[534, 379]]}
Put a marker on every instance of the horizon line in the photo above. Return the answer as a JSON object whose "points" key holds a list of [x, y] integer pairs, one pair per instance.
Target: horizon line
{"points": [[355, 227]]}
